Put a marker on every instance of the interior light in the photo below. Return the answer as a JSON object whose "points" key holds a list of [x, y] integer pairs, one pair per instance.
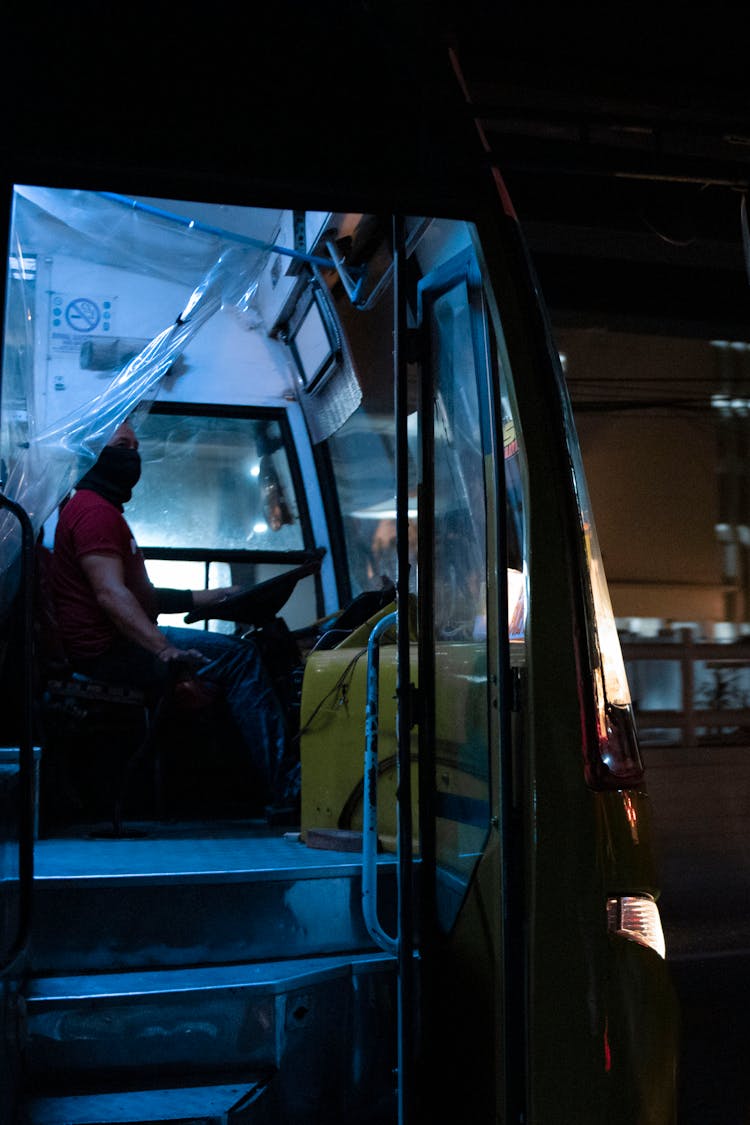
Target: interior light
{"points": [[260, 528], [255, 471]]}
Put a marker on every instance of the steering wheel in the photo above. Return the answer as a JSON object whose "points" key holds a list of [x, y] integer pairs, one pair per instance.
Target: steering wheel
{"points": [[256, 605]]}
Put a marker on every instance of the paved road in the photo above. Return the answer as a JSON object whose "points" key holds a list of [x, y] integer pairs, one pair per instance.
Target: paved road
{"points": [[714, 1084], [705, 909], [701, 803]]}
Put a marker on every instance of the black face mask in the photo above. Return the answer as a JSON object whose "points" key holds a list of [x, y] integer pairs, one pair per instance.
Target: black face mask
{"points": [[115, 474]]}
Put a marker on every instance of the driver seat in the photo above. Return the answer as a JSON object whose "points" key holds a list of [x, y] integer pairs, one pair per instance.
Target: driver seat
{"points": [[106, 728]]}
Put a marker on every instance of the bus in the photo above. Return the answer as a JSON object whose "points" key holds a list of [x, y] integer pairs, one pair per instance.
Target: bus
{"points": [[350, 406]]}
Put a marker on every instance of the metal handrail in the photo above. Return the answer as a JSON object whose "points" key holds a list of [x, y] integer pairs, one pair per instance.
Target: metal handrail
{"points": [[370, 816]]}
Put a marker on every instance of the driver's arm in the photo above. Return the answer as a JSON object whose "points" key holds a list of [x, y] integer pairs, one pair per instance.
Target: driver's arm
{"points": [[106, 578]]}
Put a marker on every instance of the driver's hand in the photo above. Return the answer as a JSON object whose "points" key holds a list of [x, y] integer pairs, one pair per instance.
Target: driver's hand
{"points": [[204, 599], [223, 592]]}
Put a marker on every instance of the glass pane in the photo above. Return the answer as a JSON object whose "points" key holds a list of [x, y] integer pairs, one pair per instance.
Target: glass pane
{"points": [[311, 344], [460, 551], [214, 483], [18, 352], [721, 685], [363, 458], [656, 684]]}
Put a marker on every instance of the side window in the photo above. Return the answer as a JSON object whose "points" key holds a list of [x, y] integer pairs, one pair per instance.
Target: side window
{"points": [[460, 503], [363, 455], [18, 345]]}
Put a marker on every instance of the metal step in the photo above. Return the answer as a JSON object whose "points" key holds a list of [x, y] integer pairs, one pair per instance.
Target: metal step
{"points": [[105, 905], [318, 1018], [238, 1104]]}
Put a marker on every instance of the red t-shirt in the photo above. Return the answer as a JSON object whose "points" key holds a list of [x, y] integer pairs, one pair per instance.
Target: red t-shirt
{"points": [[90, 525]]}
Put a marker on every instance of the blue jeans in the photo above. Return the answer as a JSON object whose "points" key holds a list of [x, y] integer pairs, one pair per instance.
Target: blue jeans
{"points": [[236, 668]]}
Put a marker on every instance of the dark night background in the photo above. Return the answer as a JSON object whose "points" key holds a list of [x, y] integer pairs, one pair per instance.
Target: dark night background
{"points": [[623, 135]]}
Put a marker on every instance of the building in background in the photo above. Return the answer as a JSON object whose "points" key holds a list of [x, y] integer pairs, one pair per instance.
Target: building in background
{"points": [[664, 426]]}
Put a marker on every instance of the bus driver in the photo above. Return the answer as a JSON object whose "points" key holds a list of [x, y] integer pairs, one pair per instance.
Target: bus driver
{"points": [[107, 609]]}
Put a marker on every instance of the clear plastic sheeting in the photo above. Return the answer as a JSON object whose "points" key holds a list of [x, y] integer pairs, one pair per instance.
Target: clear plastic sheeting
{"points": [[143, 240], [77, 262]]}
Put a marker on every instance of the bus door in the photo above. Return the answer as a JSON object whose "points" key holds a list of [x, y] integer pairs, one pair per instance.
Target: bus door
{"points": [[462, 659], [448, 688]]}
